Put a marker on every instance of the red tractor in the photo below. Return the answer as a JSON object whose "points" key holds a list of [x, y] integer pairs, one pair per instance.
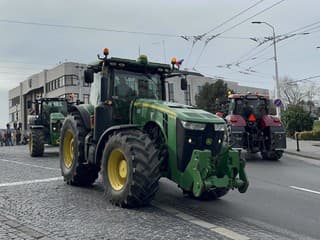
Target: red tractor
{"points": [[250, 127]]}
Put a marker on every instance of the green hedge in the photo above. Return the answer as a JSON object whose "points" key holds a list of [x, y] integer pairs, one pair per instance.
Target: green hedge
{"points": [[316, 125], [310, 135]]}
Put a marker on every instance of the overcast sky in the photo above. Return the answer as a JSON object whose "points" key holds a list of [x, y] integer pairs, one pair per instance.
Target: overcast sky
{"points": [[26, 49]]}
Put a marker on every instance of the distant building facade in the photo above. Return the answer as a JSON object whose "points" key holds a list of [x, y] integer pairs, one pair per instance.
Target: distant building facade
{"points": [[64, 80], [195, 83]]}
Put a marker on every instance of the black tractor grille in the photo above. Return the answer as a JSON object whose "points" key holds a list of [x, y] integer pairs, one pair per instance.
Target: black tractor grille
{"points": [[189, 140]]}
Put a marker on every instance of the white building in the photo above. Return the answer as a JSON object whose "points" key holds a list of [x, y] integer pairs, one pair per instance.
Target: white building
{"points": [[64, 80]]}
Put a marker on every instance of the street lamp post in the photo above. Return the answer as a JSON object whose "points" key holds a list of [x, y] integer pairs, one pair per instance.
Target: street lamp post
{"points": [[275, 64]]}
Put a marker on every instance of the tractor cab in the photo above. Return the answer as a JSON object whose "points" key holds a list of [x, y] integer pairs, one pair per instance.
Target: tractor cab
{"points": [[52, 110], [120, 86], [251, 107], [250, 126]]}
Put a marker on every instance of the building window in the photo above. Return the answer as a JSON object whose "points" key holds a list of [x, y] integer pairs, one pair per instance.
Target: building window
{"points": [[86, 98], [55, 84], [71, 80], [61, 81], [170, 92], [199, 89], [51, 86], [187, 97], [15, 101], [68, 80]]}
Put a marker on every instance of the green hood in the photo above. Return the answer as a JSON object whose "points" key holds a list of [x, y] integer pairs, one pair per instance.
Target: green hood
{"points": [[56, 116], [180, 111]]}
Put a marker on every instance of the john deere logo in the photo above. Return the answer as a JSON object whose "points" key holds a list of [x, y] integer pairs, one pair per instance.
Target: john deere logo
{"points": [[209, 141]]}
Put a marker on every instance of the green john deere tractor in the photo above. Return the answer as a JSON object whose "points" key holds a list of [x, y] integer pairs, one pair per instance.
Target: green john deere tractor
{"points": [[45, 126], [134, 137]]}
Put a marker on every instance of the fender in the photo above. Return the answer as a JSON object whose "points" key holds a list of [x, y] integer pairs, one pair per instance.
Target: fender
{"points": [[236, 120], [85, 111], [156, 123], [104, 137], [270, 121]]}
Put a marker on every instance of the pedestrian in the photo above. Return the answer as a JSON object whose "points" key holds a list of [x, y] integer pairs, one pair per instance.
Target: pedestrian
{"points": [[1, 139], [18, 136], [9, 136]]}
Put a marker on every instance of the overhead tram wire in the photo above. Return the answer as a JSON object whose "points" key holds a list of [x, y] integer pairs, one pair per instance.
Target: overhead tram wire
{"points": [[89, 28], [234, 26], [256, 55], [303, 28], [199, 37], [235, 16], [304, 79]]}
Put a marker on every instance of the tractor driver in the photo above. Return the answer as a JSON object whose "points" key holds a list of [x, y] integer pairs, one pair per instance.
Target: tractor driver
{"points": [[247, 109], [122, 89]]}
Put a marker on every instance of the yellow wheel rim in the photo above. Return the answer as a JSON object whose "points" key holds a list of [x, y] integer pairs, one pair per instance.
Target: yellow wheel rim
{"points": [[117, 169], [68, 149], [30, 143]]}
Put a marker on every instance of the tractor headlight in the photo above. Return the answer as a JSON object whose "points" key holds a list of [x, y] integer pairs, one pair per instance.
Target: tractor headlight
{"points": [[219, 127], [193, 125], [54, 129]]}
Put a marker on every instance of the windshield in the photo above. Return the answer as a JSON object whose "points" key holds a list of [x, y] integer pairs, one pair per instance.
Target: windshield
{"points": [[245, 107], [49, 107], [132, 84]]}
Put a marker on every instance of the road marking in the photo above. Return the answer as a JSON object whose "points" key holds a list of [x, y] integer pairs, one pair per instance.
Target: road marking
{"points": [[212, 227], [228, 233], [305, 190], [30, 182], [29, 165]]}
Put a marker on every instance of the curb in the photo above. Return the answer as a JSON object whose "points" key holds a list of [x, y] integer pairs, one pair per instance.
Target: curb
{"points": [[301, 155]]}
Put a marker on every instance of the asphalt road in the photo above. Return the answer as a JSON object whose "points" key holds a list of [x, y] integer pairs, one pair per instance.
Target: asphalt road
{"points": [[273, 202], [283, 202]]}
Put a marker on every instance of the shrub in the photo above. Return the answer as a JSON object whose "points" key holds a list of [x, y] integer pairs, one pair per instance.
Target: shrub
{"points": [[316, 125], [310, 135], [296, 119]]}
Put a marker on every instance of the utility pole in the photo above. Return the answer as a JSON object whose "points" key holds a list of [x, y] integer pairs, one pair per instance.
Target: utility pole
{"points": [[278, 96]]}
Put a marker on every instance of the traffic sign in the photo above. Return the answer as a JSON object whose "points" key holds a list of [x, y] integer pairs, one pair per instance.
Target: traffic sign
{"points": [[277, 102]]}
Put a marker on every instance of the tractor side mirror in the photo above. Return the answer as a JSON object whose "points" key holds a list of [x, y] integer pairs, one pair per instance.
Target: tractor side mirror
{"points": [[29, 104], [184, 83], [88, 76]]}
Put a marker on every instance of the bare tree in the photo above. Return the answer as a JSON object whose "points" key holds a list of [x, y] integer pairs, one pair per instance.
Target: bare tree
{"points": [[292, 93]]}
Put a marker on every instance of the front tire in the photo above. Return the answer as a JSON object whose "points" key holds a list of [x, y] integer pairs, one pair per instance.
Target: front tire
{"points": [[130, 169], [36, 143], [74, 169]]}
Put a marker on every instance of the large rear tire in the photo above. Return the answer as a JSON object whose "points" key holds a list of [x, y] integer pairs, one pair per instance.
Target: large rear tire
{"points": [[74, 169], [130, 169], [274, 155], [36, 143]]}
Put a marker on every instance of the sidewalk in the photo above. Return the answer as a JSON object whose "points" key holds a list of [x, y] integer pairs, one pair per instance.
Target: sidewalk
{"points": [[308, 149]]}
